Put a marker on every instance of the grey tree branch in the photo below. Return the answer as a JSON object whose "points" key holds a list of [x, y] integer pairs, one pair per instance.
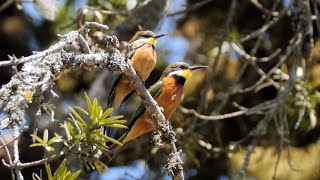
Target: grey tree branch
{"points": [[37, 76], [165, 137]]}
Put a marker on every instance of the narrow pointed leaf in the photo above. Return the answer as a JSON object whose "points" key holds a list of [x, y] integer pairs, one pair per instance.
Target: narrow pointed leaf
{"points": [[75, 113], [48, 169], [60, 171], [105, 123], [81, 110], [55, 139], [114, 118], [49, 148], [94, 107], [66, 129], [74, 175], [37, 138], [105, 114], [88, 103], [118, 126], [36, 144], [45, 136], [113, 140]]}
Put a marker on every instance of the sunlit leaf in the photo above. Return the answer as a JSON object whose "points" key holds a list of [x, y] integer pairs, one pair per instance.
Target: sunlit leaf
{"points": [[106, 123], [49, 148], [37, 138], [113, 140], [65, 126], [54, 140], [105, 114], [36, 144], [77, 115], [49, 174], [114, 118], [45, 136], [74, 175], [61, 170], [88, 103], [81, 109], [118, 126]]}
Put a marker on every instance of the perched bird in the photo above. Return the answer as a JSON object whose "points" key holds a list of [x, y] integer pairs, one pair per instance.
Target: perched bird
{"points": [[167, 92], [143, 60]]}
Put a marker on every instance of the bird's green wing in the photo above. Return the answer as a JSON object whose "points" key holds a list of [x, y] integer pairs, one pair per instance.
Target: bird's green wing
{"points": [[115, 79], [155, 91]]}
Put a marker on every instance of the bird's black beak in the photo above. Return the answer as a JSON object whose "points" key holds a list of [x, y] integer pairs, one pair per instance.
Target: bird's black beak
{"points": [[192, 68], [160, 35]]}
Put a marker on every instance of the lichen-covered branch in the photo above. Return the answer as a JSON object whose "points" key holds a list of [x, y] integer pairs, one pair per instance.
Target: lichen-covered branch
{"points": [[38, 74], [165, 136]]}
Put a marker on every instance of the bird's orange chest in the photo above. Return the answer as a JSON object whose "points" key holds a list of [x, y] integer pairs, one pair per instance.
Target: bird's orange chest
{"points": [[144, 59], [170, 97]]}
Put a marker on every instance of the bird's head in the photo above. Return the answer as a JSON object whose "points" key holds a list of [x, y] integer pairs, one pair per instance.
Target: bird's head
{"points": [[181, 71], [146, 36]]}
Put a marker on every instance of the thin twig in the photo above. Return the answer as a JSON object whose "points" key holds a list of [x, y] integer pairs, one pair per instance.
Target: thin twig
{"points": [[16, 156], [6, 4], [9, 156], [294, 43], [264, 28], [42, 161], [237, 47], [212, 118], [263, 9], [4, 145]]}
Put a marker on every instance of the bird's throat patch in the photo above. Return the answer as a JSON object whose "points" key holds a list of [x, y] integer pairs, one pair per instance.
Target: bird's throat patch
{"points": [[186, 73], [181, 75], [151, 40]]}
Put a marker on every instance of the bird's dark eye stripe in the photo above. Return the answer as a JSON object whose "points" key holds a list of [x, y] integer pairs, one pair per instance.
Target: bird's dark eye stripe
{"points": [[145, 36], [179, 67]]}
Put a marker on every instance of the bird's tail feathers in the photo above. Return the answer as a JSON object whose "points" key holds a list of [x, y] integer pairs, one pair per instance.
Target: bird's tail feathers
{"points": [[113, 150]]}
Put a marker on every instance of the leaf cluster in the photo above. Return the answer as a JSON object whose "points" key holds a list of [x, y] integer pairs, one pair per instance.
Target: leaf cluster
{"points": [[84, 133], [60, 174]]}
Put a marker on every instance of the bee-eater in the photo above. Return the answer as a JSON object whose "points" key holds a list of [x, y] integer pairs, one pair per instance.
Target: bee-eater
{"points": [[143, 60], [167, 92]]}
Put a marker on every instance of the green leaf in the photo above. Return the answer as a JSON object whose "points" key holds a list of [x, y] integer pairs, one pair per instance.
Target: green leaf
{"points": [[45, 136], [37, 138], [113, 140], [118, 126], [97, 131], [82, 110], [74, 175], [88, 103], [114, 118], [61, 170], [106, 123], [36, 144], [65, 126], [48, 169], [105, 114], [94, 111], [54, 140], [77, 115], [49, 148]]}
